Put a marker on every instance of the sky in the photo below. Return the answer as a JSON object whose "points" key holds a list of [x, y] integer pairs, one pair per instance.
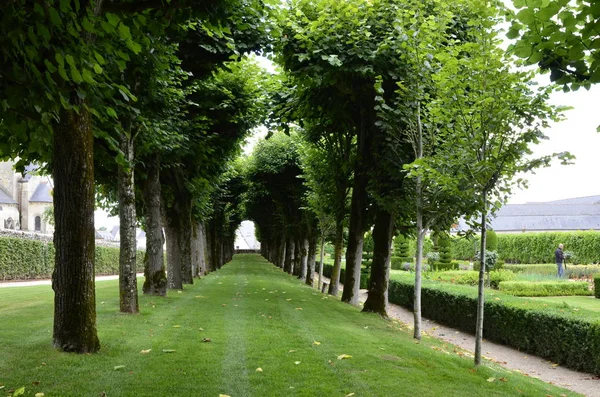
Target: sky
{"points": [[577, 135]]}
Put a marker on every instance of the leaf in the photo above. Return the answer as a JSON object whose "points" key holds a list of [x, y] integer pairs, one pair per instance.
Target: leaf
{"points": [[316, 343], [224, 395], [177, 326], [206, 340], [344, 356], [168, 351], [299, 308], [259, 369], [146, 351], [97, 68], [292, 351], [349, 395], [39, 394], [491, 379], [297, 362], [118, 367]]}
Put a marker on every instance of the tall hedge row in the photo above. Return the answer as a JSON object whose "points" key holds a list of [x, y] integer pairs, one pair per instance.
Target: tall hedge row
{"points": [[29, 259], [563, 337], [535, 247]]}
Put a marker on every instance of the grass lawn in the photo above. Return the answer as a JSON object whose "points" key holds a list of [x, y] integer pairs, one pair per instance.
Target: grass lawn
{"points": [[574, 302], [256, 317]]}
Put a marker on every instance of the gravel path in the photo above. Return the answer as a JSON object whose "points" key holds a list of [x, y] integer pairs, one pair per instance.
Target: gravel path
{"points": [[508, 357]]}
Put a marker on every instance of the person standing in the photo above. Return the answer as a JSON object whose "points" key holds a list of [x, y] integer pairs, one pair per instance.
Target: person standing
{"points": [[559, 256]]}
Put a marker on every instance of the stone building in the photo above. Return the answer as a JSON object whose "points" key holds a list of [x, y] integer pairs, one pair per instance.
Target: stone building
{"points": [[24, 198]]}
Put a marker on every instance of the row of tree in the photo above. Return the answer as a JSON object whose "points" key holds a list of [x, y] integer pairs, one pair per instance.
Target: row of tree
{"points": [[402, 117], [140, 103]]}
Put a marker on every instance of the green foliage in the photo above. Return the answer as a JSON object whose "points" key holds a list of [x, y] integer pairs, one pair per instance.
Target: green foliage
{"points": [[396, 262], [22, 259], [532, 269], [541, 329], [581, 271], [470, 277], [464, 248], [445, 261], [491, 240], [597, 286], [547, 288], [402, 248]]}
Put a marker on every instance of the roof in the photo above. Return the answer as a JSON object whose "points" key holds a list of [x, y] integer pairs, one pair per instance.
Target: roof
{"points": [[27, 172], [581, 213], [42, 193], [5, 197]]}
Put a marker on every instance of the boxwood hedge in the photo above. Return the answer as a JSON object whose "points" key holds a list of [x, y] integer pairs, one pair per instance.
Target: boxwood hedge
{"points": [[545, 288], [29, 259], [567, 337], [597, 286]]}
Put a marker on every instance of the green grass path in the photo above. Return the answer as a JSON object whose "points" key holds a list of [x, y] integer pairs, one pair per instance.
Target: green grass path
{"points": [[255, 317]]}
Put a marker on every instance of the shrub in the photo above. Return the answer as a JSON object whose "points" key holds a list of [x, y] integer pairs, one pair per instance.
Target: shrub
{"points": [[396, 262], [581, 271], [432, 258], [597, 286], [464, 248], [470, 277], [569, 338], [536, 268], [364, 274], [445, 260], [546, 288], [491, 261], [491, 240], [402, 249]]}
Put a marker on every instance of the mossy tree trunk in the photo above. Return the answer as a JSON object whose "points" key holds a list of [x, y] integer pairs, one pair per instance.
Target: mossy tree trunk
{"points": [[312, 256], [73, 276], [155, 282], [377, 300], [173, 256], [128, 293], [338, 245]]}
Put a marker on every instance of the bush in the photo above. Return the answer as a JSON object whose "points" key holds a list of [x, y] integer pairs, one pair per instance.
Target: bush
{"points": [[546, 288], [532, 269], [569, 338], [597, 286], [491, 261], [432, 258], [491, 240], [470, 277], [22, 259], [402, 249], [396, 263], [581, 271]]}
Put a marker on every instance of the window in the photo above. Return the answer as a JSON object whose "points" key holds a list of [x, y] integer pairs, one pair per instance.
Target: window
{"points": [[38, 224]]}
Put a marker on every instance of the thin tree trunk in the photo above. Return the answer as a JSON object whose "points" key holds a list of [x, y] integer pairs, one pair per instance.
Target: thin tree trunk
{"points": [[155, 282], [420, 231], [377, 299], [303, 259], [312, 253], [73, 276], [128, 294], [203, 249], [281, 251], [321, 258], [334, 283], [481, 291], [196, 247], [185, 235]]}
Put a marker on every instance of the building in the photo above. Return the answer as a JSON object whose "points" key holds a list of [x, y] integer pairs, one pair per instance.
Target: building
{"points": [[245, 238], [582, 213], [24, 198]]}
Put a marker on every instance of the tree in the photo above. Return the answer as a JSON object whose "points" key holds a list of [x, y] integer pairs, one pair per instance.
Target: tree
{"points": [[496, 117], [560, 37]]}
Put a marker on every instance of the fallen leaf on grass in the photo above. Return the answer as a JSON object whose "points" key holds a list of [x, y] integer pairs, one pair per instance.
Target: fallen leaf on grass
{"points": [[199, 296], [177, 326], [35, 382], [180, 292], [19, 392], [168, 351], [206, 340], [224, 395], [554, 365], [344, 356], [296, 362], [288, 299], [491, 379], [316, 343], [145, 351], [39, 394], [349, 395], [299, 308], [331, 363], [118, 367], [503, 380], [200, 329], [224, 304], [292, 351], [259, 370]]}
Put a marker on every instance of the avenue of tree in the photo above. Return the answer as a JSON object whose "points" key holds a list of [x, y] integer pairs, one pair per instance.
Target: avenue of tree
{"points": [[387, 117]]}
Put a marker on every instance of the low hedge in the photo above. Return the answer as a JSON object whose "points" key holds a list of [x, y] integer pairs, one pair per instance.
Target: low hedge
{"points": [[567, 337], [597, 286], [364, 275], [469, 277], [22, 259], [532, 269], [545, 288]]}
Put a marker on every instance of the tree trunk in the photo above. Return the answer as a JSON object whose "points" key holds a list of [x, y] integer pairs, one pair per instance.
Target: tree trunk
{"points": [[481, 291], [303, 259], [321, 258], [203, 249], [196, 248], [377, 300], [73, 276], [334, 283], [173, 257], [128, 294], [281, 252], [155, 282], [418, 264], [289, 252], [185, 235], [312, 253]]}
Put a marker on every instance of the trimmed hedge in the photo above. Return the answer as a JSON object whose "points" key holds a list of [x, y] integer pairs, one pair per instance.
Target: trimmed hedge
{"points": [[535, 247], [532, 269], [545, 288], [364, 274], [597, 286], [470, 277], [571, 339], [30, 259]]}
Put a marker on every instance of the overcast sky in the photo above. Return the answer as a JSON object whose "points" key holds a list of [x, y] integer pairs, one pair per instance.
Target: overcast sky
{"points": [[577, 134]]}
